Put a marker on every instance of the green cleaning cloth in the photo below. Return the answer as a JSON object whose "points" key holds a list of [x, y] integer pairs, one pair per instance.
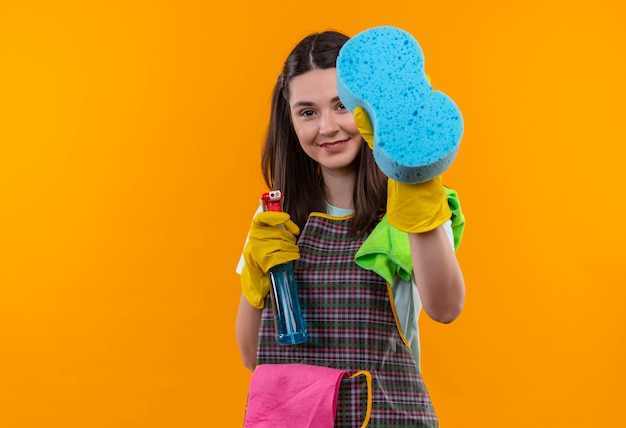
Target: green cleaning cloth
{"points": [[386, 251], [457, 219]]}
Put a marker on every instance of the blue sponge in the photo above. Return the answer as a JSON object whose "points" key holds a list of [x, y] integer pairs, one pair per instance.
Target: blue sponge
{"points": [[417, 131]]}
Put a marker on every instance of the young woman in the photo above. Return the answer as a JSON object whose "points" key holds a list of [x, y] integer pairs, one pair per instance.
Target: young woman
{"points": [[365, 263]]}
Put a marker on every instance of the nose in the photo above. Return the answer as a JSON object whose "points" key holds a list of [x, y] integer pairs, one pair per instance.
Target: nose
{"points": [[328, 124]]}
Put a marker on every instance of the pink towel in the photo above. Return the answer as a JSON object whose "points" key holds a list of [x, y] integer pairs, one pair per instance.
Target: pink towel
{"points": [[293, 395]]}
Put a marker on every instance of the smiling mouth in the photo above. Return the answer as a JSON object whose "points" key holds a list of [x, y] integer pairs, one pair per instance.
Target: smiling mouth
{"points": [[333, 144]]}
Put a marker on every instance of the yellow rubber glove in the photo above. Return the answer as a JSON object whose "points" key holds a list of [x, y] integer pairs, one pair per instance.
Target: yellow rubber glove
{"points": [[364, 125], [271, 242], [419, 207], [412, 208]]}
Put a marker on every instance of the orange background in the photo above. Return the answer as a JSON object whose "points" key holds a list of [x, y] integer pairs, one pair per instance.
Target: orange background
{"points": [[129, 170]]}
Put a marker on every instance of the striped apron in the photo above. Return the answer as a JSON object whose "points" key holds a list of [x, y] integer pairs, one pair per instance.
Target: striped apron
{"points": [[351, 327]]}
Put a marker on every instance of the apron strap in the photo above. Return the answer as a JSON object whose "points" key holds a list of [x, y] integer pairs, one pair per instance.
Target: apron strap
{"points": [[368, 379]]}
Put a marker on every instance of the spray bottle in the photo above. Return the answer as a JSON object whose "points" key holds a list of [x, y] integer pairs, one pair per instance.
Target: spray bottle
{"points": [[288, 321]]}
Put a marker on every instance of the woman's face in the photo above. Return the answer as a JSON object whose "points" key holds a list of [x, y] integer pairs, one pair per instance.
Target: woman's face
{"points": [[325, 128]]}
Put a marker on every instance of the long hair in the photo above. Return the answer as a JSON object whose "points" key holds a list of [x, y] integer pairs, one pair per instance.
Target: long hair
{"points": [[288, 168]]}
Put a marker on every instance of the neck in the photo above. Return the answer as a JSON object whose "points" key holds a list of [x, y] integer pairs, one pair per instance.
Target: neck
{"points": [[339, 187]]}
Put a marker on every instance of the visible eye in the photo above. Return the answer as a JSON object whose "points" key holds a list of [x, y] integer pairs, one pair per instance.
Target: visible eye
{"points": [[306, 113], [340, 106]]}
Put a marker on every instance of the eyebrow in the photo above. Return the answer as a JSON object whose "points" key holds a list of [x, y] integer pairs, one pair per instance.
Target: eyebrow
{"points": [[309, 103]]}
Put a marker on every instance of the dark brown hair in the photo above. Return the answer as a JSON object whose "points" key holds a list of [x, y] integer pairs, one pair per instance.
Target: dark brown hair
{"points": [[288, 168]]}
